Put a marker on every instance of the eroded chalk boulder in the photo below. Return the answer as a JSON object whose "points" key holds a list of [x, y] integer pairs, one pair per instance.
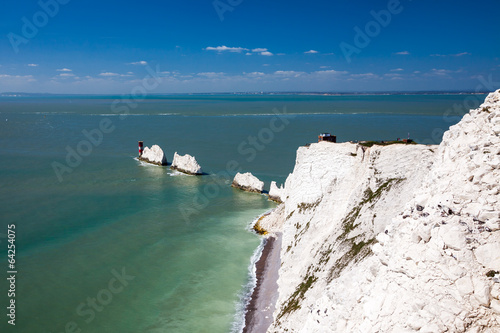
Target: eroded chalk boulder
{"points": [[187, 164], [153, 155], [248, 182]]}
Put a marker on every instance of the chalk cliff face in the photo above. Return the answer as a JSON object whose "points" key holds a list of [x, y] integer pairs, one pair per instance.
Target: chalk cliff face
{"points": [[399, 238], [186, 164], [154, 155], [248, 182]]}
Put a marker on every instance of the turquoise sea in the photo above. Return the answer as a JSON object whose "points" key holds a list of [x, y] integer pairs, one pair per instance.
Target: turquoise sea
{"points": [[105, 243]]}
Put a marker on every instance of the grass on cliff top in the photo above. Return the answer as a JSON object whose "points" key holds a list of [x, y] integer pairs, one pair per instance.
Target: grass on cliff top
{"points": [[385, 143]]}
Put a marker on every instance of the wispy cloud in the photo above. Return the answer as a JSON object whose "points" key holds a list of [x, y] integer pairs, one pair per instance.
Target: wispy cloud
{"points": [[262, 51], [254, 74], [142, 63], [364, 76], [451, 55], [393, 76], [6, 77], [331, 72], [64, 70], [311, 52], [224, 48], [66, 75], [258, 50], [288, 73], [109, 74], [397, 70], [442, 72], [402, 53], [211, 74], [32, 65]]}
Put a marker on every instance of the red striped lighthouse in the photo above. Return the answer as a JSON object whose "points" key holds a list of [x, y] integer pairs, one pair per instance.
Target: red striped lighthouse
{"points": [[141, 148]]}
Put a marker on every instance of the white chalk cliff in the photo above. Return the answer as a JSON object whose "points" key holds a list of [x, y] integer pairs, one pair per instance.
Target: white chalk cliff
{"points": [[399, 238], [276, 193], [248, 182], [187, 164], [154, 155]]}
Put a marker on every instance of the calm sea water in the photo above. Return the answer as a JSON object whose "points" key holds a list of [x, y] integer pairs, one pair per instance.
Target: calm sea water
{"points": [[108, 244]]}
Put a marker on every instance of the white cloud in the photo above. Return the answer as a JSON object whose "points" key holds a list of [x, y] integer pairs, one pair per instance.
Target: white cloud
{"points": [[288, 73], [248, 53], [364, 76], [142, 63], [451, 55], [393, 76], [29, 78], [311, 52], [254, 74], [109, 74], [402, 53], [397, 70], [211, 74], [262, 51], [226, 48], [32, 65], [66, 75], [266, 53], [331, 72], [64, 70], [442, 72]]}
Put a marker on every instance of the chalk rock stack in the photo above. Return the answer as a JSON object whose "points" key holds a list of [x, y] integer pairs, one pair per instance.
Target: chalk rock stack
{"points": [[276, 193], [187, 164], [153, 155], [394, 238], [248, 182]]}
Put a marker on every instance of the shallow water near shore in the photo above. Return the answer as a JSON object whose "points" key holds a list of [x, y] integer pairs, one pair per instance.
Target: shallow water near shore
{"points": [[182, 241]]}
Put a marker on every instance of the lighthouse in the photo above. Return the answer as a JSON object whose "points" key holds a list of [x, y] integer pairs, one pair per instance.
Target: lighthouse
{"points": [[141, 148]]}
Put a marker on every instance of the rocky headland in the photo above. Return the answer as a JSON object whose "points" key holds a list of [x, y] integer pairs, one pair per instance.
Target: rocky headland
{"points": [[396, 238]]}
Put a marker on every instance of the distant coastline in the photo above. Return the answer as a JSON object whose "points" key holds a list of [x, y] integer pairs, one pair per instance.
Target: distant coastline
{"points": [[277, 93]]}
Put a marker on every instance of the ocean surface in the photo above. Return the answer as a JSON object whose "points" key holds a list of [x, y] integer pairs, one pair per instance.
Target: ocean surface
{"points": [[105, 243]]}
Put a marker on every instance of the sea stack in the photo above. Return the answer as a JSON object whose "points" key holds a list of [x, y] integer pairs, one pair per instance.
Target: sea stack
{"points": [[248, 182], [276, 193], [187, 164], [153, 155]]}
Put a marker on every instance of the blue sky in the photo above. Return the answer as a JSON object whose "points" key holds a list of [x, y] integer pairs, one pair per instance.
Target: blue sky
{"points": [[91, 46]]}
